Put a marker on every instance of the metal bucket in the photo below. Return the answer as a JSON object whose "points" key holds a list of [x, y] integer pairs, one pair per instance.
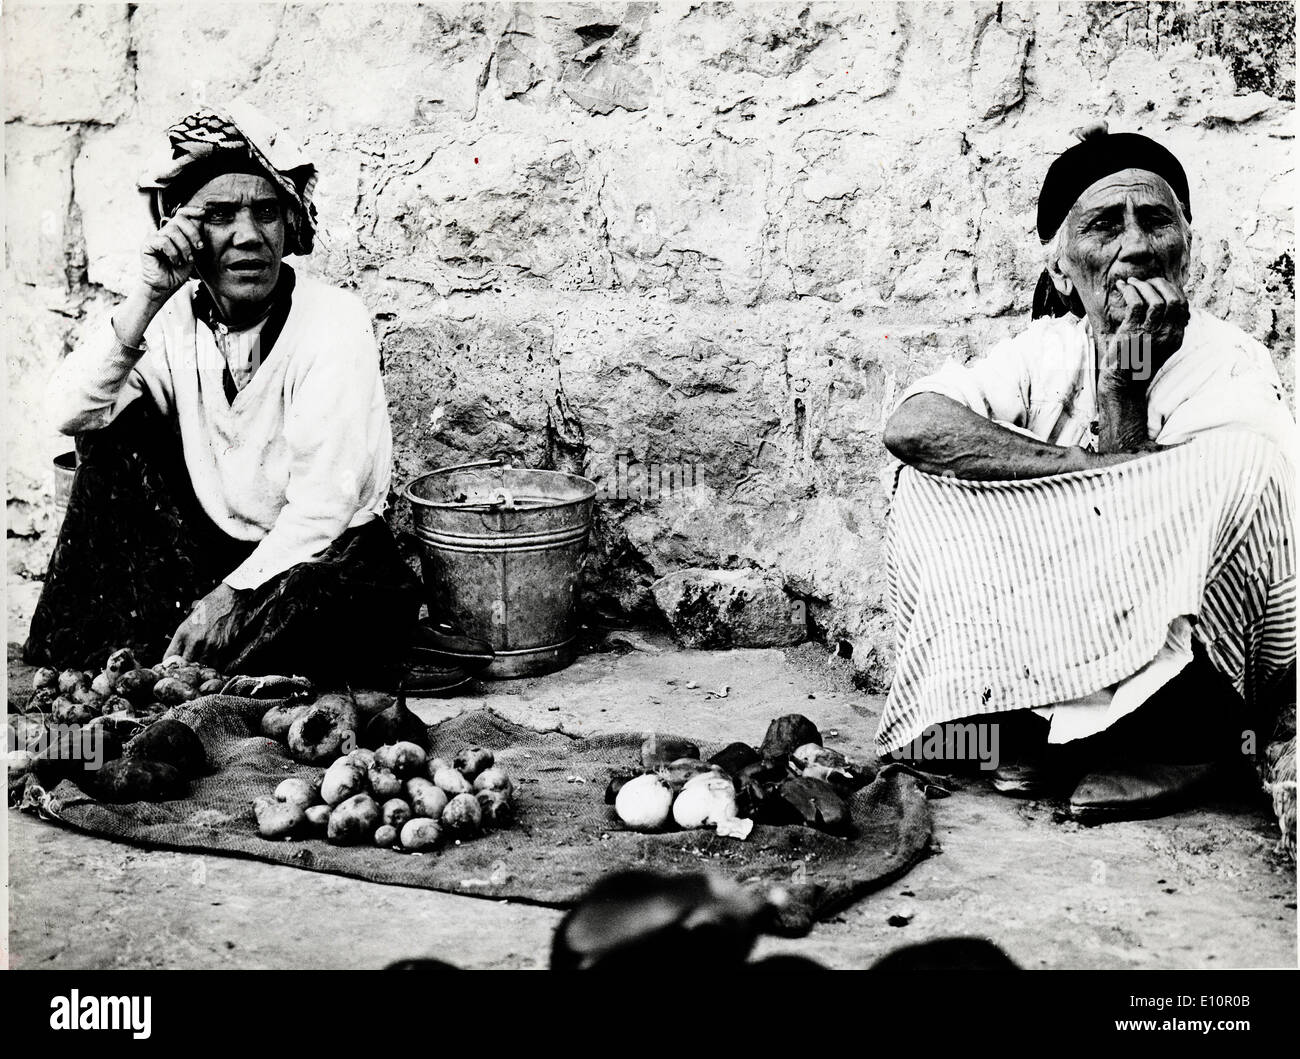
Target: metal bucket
{"points": [[65, 469], [501, 549]]}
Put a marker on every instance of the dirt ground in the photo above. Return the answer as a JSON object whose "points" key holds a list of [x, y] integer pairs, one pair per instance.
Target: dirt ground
{"points": [[1199, 889]]}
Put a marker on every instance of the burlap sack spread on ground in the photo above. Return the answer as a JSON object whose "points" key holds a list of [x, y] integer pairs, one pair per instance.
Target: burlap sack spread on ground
{"points": [[565, 836]]}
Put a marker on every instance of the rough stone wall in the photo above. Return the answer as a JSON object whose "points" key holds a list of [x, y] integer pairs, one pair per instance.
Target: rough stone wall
{"points": [[719, 238]]}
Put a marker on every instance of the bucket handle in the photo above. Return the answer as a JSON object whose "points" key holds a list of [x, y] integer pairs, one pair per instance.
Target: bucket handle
{"points": [[495, 461]]}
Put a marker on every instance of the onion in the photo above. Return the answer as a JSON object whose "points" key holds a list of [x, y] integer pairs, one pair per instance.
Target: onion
{"points": [[705, 801], [645, 803]]}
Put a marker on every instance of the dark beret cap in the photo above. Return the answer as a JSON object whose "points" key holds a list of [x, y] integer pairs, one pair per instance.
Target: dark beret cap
{"points": [[1098, 156]]}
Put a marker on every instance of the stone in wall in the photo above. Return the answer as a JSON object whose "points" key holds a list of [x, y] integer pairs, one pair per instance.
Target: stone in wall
{"points": [[729, 608], [67, 66], [38, 182], [719, 235]]}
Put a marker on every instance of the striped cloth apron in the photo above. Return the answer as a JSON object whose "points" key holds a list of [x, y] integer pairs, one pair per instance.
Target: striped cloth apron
{"points": [[1013, 595]]}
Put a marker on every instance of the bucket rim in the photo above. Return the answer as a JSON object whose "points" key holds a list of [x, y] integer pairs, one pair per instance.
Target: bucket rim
{"points": [[588, 487]]}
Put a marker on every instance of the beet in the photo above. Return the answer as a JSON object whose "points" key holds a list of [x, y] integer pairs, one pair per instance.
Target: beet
{"points": [[817, 804], [397, 724], [172, 743], [132, 779], [660, 750], [734, 757], [787, 734], [74, 753]]}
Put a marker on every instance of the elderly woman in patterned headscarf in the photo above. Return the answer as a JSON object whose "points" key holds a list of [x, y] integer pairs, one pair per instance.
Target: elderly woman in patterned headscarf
{"points": [[235, 439]]}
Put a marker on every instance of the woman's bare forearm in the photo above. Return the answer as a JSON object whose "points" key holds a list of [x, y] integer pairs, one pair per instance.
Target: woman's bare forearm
{"points": [[937, 435]]}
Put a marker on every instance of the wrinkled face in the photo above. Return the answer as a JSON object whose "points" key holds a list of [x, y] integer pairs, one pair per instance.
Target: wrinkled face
{"points": [[1128, 224], [243, 230]]}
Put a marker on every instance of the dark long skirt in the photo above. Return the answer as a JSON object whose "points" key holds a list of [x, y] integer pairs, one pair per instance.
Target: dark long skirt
{"points": [[136, 551]]}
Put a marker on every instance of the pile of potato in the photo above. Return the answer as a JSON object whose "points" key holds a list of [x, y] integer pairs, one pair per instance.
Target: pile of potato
{"points": [[393, 797], [123, 689], [790, 779]]}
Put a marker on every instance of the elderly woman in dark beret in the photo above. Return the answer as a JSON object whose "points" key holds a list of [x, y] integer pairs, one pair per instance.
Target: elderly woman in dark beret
{"points": [[1116, 367], [235, 437]]}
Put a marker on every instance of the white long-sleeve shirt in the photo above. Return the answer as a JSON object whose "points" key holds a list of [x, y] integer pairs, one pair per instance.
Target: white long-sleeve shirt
{"points": [[303, 452], [1044, 382]]}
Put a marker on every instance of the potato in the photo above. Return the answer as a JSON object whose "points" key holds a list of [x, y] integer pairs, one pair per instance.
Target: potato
{"points": [[172, 742], [19, 763], [425, 798], [318, 816], [353, 821], [452, 782], [137, 686], [384, 783], [385, 836], [494, 779], [472, 760], [213, 686], [172, 692], [27, 733], [395, 812], [434, 764], [402, 759], [322, 730], [645, 803], [277, 819], [119, 662], [42, 701], [277, 721], [103, 685], [188, 675], [463, 817], [171, 662], [71, 679], [498, 809], [66, 711], [138, 780], [207, 673], [86, 697], [420, 834], [118, 706], [342, 780], [45, 678], [361, 756], [298, 791]]}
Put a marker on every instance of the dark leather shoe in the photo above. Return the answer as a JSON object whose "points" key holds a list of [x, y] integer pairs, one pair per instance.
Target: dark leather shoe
{"points": [[441, 659], [1050, 772], [1138, 790], [1024, 779]]}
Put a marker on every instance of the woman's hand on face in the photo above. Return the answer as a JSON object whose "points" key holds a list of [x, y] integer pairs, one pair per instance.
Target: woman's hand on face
{"points": [[169, 255], [1156, 315]]}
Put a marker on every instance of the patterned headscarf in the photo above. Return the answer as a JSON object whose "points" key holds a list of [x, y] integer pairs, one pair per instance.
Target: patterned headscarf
{"points": [[234, 139]]}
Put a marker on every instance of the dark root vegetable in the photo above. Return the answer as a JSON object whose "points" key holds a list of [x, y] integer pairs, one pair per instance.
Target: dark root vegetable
{"points": [[786, 734], [658, 750], [139, 780], [172, 742]]}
